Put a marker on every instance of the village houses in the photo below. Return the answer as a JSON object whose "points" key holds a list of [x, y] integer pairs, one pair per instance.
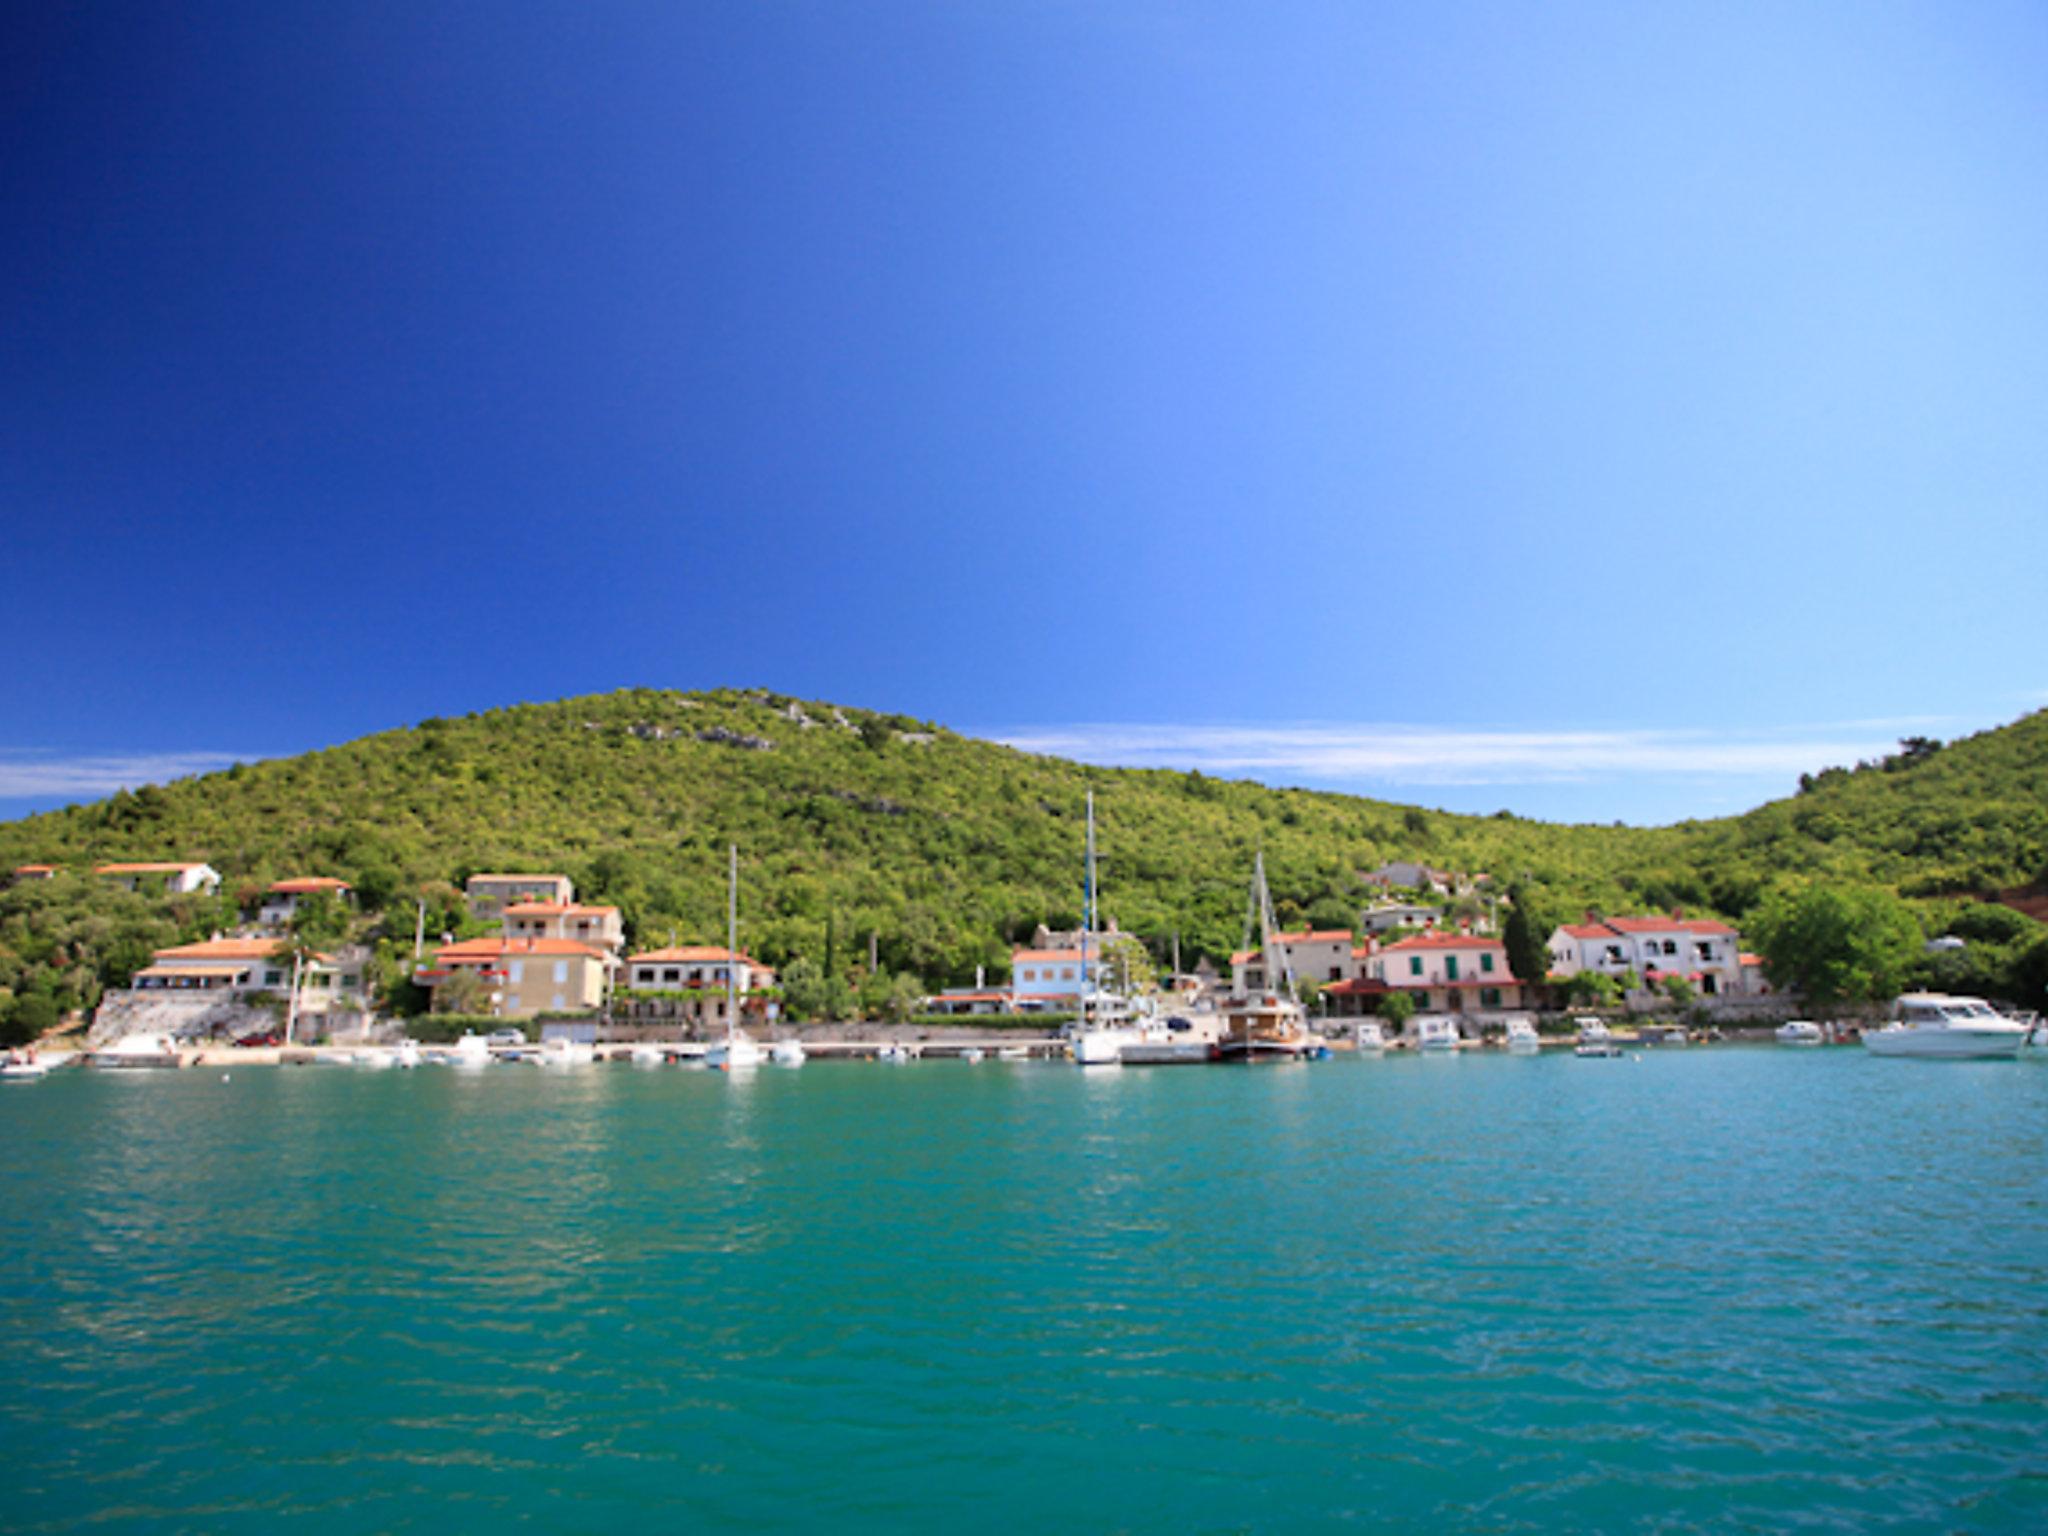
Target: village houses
{"points": [[489, 895], [1704, 952], [523, 976], [697, 976], [175, 879], [326, 983], [280, 903], [598, 926]]}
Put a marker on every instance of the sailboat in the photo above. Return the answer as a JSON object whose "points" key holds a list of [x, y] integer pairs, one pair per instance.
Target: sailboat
{"points": [[1268, 1024], [1108, 1020], [739, 1050]]}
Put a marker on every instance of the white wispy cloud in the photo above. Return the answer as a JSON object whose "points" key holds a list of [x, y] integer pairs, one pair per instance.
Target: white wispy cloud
{"points": [[1408, 754], [32, 775]]}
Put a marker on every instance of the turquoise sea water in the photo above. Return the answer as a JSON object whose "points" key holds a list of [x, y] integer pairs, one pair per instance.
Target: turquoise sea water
{"points": [[1714, 1290]]}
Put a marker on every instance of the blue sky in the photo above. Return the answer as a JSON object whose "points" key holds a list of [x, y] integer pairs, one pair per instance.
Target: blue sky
{"points": [[1596, 411]]}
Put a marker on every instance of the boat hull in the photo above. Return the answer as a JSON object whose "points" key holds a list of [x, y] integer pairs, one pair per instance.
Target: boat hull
{"points": [[1945, 1044]]}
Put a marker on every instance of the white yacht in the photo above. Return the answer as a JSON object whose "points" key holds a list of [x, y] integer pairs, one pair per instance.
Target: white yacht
{"points": [[471, 1051], [1522, 1038], [1799, 1032], [736, 1052], [560, 1052], [1436, 1036], [1939, 1027], [1595, 1039], [1369, 1037], [789, 1052]]}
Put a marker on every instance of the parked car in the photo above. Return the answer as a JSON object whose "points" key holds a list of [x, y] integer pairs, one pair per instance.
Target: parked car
{"points": [[267, 1037], [1178, 1026], [507, 1037]]}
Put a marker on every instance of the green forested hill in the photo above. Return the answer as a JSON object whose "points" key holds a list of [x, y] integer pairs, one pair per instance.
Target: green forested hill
{"points": [[944, 847]]}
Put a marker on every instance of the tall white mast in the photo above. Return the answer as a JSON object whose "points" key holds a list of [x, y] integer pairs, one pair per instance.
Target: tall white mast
{"points": [[1088, 906], [732, 940]]}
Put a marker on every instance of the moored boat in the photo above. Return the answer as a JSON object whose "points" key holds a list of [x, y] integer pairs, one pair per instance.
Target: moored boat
{"points": [[789, 1052], [1435, 1036], [1595, 1039], [1799, 1032], [1267, 1023], [1937, 1027], [1522, 1038], [1370, 1039]]}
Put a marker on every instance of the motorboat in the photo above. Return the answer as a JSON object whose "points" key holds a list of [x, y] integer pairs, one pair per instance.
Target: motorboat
{"points": [[23, 1067], [737, 1052], [406, 1053], [1436, 1036], [789, 1052], [1939, 1027], [138, 1051], [559, 1052], [972, 1054], [1522, 1038], [470, 1051], [894, 1054], [1595, 1039], [648, 1055], [1800, 1032], [1014, 1053], [1370, 1039]]}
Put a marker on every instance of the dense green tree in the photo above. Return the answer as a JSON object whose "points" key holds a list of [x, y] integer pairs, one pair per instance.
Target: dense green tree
{"points": [[1526, 936], [1396, 1008], [1836, 943]]}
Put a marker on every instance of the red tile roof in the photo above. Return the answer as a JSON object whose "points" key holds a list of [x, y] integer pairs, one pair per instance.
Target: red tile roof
{"points": [[1315, 936], [35, 869], [494, 948], [689, 954], [308, 885], [1444, 941], [147, 869], [223, 949], [1048, 956], [555, 909]]}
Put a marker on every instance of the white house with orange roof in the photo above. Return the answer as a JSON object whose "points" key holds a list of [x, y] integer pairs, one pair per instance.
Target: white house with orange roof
{"points": [[281, 902], [1445, 972], [697, 977], [24, 873], [523, 977], [173, 878], [600, 926], [489, 895], [326, 982], [1704, 951], [1322, 955]]}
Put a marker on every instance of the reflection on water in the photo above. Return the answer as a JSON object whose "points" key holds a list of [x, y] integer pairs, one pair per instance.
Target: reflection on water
{"points": [[1722, 1290]]}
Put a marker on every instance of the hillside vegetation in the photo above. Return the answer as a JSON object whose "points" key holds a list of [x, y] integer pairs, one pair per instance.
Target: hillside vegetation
{"points": [[942, 847]]}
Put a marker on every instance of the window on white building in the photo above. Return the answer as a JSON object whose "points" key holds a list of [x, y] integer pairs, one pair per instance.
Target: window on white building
{"points": [[518, 972], [561, 972]]}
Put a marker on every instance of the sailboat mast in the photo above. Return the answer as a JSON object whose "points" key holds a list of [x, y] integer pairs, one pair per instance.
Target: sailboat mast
{"points": [[732, 939], [1088, 908]]}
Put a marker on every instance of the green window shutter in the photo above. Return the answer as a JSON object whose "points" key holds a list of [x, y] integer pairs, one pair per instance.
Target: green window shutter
{"points": [[1450, 967], [1415, 965], [1486, 961]]}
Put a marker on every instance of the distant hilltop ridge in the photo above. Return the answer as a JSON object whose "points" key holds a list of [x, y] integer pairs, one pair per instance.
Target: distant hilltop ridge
{"points": [[853, 823]]}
